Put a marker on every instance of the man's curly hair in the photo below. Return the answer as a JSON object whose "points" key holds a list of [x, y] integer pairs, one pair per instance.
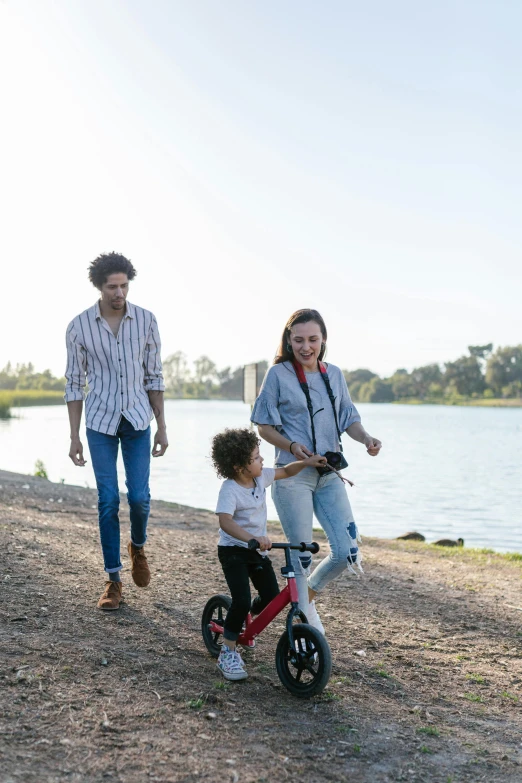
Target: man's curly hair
{"points": [[232, 449], [109, 264]]}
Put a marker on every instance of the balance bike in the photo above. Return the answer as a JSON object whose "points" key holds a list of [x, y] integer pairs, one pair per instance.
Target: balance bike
{"points": [[303, 658]]}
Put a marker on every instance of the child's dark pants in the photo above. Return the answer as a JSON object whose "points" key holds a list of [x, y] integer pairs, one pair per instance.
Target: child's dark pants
{"points": [[239, 564]]}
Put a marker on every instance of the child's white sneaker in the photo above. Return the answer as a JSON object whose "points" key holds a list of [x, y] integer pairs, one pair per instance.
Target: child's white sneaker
{"points": [[313, 618], [231, 665]]}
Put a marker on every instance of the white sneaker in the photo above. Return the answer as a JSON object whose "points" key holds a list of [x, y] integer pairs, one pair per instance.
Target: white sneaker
{"points": [[231, 665], [313, 618]]}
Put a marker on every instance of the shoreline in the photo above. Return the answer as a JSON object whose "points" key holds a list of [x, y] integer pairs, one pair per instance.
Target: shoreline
{"points": [[513, 555], [10, 400]]}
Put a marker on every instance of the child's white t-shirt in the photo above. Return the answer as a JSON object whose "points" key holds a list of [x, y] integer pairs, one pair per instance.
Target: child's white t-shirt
{"points": [[247, 507]]}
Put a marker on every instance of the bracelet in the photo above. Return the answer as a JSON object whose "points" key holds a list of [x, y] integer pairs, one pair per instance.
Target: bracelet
{"points": [[290, 447]]}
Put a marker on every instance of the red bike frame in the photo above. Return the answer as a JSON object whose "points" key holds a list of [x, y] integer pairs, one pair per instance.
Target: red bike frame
{"points": [[287, 596]]}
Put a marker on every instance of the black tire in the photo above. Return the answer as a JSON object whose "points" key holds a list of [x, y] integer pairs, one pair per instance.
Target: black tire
{"points": [[216, 609], [308, 674]]}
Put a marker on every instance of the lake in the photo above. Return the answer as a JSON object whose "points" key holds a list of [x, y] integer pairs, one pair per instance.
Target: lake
{"points": [[444, 471]]}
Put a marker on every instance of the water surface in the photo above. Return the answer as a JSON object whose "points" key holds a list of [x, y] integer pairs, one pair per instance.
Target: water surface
{"points": [[444, 471]]}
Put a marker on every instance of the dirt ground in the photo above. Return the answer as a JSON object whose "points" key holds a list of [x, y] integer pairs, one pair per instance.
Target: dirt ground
{"points": [[426, 682]]}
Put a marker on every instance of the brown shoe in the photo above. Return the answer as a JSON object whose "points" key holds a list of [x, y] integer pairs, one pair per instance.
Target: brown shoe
{"points": [[111, 597], [140, 568]]}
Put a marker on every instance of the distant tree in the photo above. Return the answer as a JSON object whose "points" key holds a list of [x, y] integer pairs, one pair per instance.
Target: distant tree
{"points": [[24, 377], [7, 377], [355, 379], [504, 367], [176, 373], [376, 390], [512, 390], [424, 377], [465, 376], [403, 385], [224, 375], [480, 351], [205, 370]]}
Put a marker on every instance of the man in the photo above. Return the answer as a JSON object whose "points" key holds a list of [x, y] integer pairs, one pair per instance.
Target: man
{"points": [[115, 346]]}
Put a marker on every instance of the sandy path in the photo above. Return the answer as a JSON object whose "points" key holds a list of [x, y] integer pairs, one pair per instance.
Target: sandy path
{"points": [[133, 696]]}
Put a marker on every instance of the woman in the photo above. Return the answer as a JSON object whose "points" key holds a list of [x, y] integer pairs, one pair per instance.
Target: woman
{"points": [[302, 409]]}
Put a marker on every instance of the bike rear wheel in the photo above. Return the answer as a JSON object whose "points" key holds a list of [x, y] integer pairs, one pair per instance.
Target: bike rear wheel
{"points": [[305, 668], [215, 610]]}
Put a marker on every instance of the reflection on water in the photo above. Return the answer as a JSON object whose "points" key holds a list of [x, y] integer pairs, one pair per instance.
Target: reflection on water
{"points": [[445, 471]]}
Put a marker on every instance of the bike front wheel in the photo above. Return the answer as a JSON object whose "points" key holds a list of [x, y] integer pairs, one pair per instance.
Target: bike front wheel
{"points": [[215, 610], [304, 668]]}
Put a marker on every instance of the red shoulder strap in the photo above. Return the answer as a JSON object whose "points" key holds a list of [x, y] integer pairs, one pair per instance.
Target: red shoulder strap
{"points": [[298, 367]]}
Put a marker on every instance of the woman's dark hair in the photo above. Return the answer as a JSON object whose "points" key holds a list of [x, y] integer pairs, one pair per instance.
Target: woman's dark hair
{"points": [[299, 317], [232, 450], [109, 264]]}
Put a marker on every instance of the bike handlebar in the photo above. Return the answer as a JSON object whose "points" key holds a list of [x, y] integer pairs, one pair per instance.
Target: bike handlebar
{"points": [[302, 547]]}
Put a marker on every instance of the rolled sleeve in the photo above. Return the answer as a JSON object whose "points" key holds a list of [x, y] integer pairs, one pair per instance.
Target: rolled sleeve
{"points": [[153, 375], [265, 410], [76, 367]]}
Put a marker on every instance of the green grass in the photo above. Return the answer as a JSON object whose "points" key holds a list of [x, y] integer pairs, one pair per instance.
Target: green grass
{"points": [[330, 696], [356, 748], [196, 704], [425, 749], [515, 556], [40, 470], [430, 731], [506, 695], [475, 678], [380, 671], [479, 554], [12, 399], [481, 402], [473, 697]]}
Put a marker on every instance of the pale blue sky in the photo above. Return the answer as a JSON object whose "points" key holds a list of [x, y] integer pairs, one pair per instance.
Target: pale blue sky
{"points": [[256, 157]]}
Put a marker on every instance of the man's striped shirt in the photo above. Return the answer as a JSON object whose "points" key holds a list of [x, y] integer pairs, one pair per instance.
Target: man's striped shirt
{"points": [[119, 370]]}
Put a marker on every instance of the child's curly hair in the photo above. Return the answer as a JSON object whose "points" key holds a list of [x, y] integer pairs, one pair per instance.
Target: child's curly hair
{"points": [[232, 449]]}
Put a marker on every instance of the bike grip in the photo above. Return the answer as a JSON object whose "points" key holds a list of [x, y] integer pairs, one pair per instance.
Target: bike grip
{"points": [[253, 544]]}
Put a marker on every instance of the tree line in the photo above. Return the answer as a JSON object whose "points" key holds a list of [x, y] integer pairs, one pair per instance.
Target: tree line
{"points": [[481, 372]]}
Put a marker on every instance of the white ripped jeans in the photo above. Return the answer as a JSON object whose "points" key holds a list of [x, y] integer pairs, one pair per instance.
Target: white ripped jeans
{"points": [[296, 499]]}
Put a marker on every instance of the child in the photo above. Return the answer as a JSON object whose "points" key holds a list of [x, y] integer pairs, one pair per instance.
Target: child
{"points": [[241, 509]]}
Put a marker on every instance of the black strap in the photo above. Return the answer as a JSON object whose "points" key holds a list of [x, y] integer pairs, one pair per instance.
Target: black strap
{"points": [[304, 386]]}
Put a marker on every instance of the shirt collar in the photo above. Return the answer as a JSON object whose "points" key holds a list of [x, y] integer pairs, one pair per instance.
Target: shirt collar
{"points": [[129, 310]]}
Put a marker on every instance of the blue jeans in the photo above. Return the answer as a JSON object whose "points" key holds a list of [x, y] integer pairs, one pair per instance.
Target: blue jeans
{"points": [[296, 499], [135, 449]]}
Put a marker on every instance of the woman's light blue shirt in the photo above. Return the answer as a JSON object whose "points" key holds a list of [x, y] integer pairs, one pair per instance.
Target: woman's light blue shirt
{"points": [[282, 403]]}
